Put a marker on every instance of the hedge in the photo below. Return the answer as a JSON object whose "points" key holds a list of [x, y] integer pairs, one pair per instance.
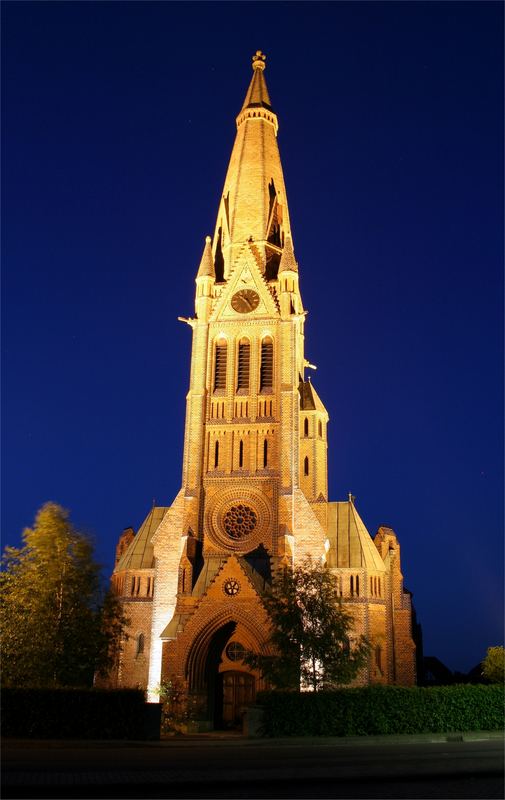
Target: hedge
{"points": [[379, 710], [79, 714]]}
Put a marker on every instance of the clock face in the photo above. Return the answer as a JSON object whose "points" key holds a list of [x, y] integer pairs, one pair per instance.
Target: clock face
{"points": [[245, 300]]}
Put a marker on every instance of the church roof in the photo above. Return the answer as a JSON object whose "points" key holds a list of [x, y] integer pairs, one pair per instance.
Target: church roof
{"points": [[309, 398], [139, 554], [350, 543]]}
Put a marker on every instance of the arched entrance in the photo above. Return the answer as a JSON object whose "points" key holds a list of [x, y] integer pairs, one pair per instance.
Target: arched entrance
{"points": [[218, 675]]}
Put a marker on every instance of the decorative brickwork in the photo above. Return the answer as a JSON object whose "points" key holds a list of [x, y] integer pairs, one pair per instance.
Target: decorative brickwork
{"points": [[254, 493]]}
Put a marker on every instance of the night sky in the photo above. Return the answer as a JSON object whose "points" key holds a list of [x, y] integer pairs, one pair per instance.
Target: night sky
{"points": [[118, 123]]}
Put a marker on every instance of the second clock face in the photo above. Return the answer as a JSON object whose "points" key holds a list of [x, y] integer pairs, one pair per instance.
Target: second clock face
{"points": [[245, 300]]}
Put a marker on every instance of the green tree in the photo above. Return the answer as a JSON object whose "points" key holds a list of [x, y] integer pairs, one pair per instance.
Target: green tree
{"points": [[493, 666], [310, 632], [57, 624]]}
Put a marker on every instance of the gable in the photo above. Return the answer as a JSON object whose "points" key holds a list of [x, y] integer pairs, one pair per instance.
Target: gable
{"points": [[245, 278]]}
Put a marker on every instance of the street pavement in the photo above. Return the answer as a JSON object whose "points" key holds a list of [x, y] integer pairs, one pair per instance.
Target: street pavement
{"points": [[227, 766]]}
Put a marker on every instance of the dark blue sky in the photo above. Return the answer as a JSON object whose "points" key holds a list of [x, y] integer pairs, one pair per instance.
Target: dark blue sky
{"points": [[118, 122]]}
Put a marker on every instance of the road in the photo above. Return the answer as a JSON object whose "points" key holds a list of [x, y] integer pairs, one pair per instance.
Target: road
{"points": [[245, 768]]}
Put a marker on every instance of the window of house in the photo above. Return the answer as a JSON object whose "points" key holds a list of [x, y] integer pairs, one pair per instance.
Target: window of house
{"points": [[306, 465]]}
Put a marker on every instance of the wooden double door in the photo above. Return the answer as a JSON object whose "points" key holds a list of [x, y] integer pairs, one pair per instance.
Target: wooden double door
{"points": [[238, 692]]}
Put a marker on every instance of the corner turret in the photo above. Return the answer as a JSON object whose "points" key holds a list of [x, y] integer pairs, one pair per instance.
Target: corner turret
{"points": [[205, 279], [289, 292]]}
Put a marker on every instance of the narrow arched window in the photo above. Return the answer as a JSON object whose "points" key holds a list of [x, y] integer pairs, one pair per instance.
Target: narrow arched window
{"points": [[351, 584], [241, 454], [306, 427], [140, 644], [320, 429], [357, 585], [216, 455], [265, 453], [244, 360], [306, 465], [267, 365], [378, 657], [220, 365]]}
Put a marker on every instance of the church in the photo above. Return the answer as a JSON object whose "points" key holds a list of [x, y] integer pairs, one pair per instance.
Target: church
{"points": [[254, 494]]}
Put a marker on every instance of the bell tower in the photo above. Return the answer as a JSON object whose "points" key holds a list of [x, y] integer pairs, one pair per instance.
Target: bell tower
{"points": [[242, 482], [254, 493]]}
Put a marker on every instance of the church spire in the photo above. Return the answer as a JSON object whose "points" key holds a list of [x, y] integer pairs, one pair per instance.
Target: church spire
{"points": [[253, 205]]}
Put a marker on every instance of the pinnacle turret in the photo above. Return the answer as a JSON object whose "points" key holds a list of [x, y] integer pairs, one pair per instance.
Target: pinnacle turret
{"points": [[206, 268], [288, 261]]}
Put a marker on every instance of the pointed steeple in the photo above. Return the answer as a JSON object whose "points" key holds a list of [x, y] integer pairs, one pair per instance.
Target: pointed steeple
{"points": [[206, 268], [253, 206]]}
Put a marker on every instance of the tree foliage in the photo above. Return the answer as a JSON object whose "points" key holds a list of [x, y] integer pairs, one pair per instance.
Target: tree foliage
{"points": [[311, 632], [493, 666], [58, 626]]}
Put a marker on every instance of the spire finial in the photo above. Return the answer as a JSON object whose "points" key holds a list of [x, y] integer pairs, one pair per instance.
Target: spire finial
{"points": [[258, 60]]}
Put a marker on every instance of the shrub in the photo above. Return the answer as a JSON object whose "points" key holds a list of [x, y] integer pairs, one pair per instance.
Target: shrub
{"points": [[78, 714], [377, 710]]}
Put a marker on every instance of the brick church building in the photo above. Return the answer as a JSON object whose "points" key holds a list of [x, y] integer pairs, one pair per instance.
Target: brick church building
{"points": [[254, 492]]}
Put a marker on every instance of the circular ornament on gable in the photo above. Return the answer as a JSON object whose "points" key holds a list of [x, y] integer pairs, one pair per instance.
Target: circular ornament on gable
{"points": [[231, 587]]}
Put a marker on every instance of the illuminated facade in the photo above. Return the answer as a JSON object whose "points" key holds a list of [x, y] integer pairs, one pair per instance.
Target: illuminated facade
{"points": [[254, 492]]}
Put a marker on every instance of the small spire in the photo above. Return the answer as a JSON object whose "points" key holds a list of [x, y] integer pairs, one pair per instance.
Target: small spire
{"points": [[206, 268], [257, 94], [288, 261], [258, 60]]}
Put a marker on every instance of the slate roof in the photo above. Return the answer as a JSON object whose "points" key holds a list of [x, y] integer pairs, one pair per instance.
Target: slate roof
{"points": [[139, 554], [350, 543]]}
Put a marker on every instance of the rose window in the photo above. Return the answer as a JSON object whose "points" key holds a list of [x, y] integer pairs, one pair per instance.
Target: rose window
{"points": [[239, 521]]}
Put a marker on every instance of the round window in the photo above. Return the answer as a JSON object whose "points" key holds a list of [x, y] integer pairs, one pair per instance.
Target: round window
{"points": [[239, 521], [235, 651]]}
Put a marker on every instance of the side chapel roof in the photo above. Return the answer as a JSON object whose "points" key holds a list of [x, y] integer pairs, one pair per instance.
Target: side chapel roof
{"points": [[350, 543], [139, 554]]}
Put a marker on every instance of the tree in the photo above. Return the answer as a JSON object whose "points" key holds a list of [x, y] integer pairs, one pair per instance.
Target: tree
{"points": [[58, 625], [310, 632], [493, 666]]}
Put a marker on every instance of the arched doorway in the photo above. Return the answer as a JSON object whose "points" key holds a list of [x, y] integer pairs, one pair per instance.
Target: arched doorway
{"points": [[222, 677]]}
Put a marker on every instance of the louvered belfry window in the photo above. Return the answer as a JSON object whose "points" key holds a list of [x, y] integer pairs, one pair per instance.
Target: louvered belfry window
{"points": [[244, 360], [220, 367], [267, 365]]}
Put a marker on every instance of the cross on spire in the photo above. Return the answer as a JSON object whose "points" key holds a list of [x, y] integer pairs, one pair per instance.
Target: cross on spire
{"points": [[258, 60]]}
